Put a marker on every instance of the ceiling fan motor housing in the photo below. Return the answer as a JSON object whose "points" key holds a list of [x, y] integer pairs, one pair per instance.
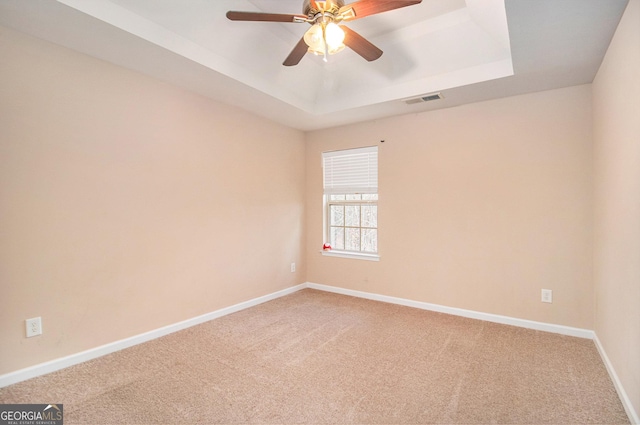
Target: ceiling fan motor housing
{"points": [[331, 7]]}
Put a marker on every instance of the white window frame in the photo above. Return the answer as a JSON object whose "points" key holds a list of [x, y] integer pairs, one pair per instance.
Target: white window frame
{"points": [[365, 183]]}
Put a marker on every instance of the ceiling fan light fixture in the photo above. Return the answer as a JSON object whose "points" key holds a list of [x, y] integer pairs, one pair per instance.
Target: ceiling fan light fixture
{"points": [[325, 38]]}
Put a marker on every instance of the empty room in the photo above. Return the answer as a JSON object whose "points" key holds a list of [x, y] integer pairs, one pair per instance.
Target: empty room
{"points": [[305, 212]]}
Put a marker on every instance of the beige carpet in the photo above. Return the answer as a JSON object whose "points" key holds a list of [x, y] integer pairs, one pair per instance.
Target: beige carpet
{"points": [[320, 358]]}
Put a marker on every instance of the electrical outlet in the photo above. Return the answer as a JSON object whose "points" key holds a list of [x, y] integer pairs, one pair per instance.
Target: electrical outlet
{"points": [[34, 327], [547, 296], [293, 267]]}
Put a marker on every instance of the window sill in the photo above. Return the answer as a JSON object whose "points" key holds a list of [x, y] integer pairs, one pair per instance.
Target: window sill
{"points": [[352, 255]]}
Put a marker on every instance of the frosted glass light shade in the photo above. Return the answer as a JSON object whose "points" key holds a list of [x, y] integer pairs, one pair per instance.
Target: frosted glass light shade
{"points": [[332, 35], [314, 39]]}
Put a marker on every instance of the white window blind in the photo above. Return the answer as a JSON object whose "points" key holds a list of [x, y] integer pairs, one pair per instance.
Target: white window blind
{"points": [[351, 171]]}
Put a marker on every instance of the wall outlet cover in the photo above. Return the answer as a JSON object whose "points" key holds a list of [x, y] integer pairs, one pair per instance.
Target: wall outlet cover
{"points": [[34, 327]]}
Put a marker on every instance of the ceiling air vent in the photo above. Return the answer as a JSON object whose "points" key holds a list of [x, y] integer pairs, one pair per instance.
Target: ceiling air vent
{"points": [[424, 98]]}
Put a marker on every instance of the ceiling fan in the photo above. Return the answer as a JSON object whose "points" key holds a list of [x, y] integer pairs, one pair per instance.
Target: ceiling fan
{"points": [[326, 36]]}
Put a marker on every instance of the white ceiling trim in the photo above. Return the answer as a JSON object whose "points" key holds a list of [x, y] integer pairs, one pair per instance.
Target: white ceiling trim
{"points": [[512, 47], [403, 71], [150, 31]]}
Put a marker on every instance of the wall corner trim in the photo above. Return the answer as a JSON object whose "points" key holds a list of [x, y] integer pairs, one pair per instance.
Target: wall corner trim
{"points": [[83, 356], [624, 397]]}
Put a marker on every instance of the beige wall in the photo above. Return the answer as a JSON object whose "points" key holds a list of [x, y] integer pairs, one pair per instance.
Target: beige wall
{"points": [[128, 204], [616, 100], [481, 207]]}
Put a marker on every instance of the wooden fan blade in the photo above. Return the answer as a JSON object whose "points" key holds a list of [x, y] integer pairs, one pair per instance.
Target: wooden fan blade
{"points": [[263, 17], [296, 54], [363, 8], [360, 45]]}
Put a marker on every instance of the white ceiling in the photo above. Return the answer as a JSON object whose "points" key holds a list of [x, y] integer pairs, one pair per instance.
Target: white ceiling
{"points": [[470, 50]]}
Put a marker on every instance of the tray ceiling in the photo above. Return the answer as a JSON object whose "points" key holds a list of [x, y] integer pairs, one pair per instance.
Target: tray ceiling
{"points": [[469, 50]]}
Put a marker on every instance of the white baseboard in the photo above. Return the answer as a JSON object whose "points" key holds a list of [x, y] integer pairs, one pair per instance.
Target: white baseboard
{"points": [[73, 359], [61, 363], [505, 320], [624, 398], [529, 324]]}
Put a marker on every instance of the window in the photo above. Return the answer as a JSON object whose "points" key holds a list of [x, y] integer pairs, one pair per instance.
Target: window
{"points": [[351, 201], [353, 222]]}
